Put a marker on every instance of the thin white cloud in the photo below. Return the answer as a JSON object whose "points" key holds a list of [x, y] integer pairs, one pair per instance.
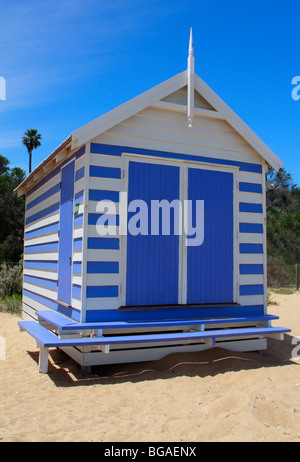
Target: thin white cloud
{"points": [[49, 44]]}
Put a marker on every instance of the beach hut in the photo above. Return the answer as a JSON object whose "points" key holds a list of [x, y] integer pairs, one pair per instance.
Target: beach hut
{"points": [[145, 232]]}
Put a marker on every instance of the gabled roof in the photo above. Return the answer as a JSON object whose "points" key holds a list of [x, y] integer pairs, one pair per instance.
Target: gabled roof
{"points": [[153, 96], [137, 104]]}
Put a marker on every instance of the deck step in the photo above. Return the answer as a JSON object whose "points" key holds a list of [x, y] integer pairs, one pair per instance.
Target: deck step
{"points": [[64, 324], [47, 339]]}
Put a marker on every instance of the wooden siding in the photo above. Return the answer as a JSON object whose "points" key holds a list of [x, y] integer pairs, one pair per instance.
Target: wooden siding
{"points": [[180, 97], [155, 132], [41, 239], [162, 133]]}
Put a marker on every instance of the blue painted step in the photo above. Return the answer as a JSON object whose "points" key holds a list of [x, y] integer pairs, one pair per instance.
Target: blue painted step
{"points": [[63, 323], [47, 339]]}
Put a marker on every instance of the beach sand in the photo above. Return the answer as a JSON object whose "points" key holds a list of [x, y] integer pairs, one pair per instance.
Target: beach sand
{"points": [[216, 395]]}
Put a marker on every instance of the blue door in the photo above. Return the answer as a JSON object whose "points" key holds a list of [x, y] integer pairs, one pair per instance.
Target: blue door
{"points": [[152, 259], [66, 234], [210, 265]]}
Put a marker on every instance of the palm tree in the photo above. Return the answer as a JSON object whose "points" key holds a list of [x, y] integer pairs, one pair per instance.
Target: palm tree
{"points": [[31, 140]]}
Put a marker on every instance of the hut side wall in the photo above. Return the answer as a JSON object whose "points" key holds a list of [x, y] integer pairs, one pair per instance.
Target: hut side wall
{"points": [[163, 133], [41, 241]]}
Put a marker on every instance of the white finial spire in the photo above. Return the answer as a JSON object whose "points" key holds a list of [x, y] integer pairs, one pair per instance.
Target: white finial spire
{"points": [[190, 71], [191, 46]]}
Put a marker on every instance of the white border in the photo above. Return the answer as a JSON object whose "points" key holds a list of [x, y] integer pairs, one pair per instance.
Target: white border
{"points": [[183, 194]]}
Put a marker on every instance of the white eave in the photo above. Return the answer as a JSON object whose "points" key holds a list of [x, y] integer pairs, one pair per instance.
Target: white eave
{"points": [[137, 104], [153, 96]]}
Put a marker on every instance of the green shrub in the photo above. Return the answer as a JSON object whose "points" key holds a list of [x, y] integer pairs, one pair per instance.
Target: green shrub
{"points": [[12, 304], [10, 280]]}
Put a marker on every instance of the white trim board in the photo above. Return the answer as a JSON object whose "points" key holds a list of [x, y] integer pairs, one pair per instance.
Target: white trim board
{"points": [[151, 97], [183, 194], [154, 96]]}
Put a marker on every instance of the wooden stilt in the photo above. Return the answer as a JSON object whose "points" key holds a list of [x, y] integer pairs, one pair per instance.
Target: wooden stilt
{"points": [[43, 360]]}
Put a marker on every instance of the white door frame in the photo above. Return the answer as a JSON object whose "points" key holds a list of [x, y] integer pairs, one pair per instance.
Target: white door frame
{"points": [[183, 194]]}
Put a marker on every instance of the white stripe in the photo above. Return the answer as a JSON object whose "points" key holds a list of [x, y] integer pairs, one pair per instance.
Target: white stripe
{"points": [[248, 258], [93, 231], [79, 186], [251, 238], [249, 177], [53, 237], [251, 300], [41, 273], [46, 292], [247, 217], [251, 198], [103, 255], [76, 303], [101, 160], [43, 222], [251, 279], [78, 232], [101, 279], [43, 205], [92, 207], [77, 255], [34, 303], [43, 256], [50, 184], [79, 163], [102, 303], [107, 184], [77, 280]]}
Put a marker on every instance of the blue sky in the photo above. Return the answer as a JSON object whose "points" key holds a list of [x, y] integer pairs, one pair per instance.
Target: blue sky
{"points": [[67, 62]]}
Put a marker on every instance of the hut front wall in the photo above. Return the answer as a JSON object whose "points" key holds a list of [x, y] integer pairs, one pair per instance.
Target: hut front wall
{"points": [[41, 240], [162, 133]]}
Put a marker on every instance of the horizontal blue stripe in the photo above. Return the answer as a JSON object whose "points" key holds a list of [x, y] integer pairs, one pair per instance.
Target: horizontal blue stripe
{"points": [[110, 219], [57, 170], [102, 267], [251, 228], [251, 269], [250, 187], [79, 196], [105, 172], [255, 289], [43, 213], [176, 313], [77, 243], [43, 264], [67, 311], [77, 266], [43, 230], [107, 149], [76, 291], [252, 208], [78, 220], [47, 247], [251, 248], [101, 195], [79, 174], [102, 291], [103, 243], [44, 196], [48, 283]]}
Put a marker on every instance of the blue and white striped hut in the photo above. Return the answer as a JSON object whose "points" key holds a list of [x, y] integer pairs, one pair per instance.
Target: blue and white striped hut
{"points": [[107, 293]]}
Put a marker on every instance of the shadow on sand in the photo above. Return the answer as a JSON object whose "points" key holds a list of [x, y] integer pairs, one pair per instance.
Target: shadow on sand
{"points": [[65, 372]]}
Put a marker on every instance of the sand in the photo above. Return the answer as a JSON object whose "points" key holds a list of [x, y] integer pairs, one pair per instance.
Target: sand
{"points": [[216, 395]]}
